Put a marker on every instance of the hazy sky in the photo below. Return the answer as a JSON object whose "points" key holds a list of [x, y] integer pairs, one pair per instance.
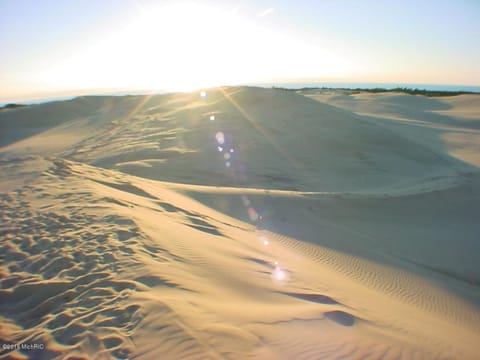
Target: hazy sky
{"points": [[50, 47]]}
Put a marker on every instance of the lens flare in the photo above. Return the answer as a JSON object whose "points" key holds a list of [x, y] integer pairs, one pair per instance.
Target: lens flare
{"points": [[280, 276], [252, 214], [220, 137], [264, 240], [246, 201]]}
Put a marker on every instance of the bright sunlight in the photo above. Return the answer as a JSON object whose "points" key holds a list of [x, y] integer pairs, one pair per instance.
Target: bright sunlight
{"points": [[186, 46]]}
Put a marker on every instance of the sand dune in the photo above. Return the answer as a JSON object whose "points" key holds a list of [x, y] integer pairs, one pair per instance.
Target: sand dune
{"points": [[171, 138], [446, 125], [250, 223]]}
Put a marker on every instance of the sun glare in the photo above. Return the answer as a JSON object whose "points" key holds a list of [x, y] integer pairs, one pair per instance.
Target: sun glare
{"points": [[188, 42], [187, 46]]}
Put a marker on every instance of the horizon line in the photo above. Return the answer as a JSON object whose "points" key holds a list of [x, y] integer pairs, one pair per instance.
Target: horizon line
{"points": [[285, 84]]}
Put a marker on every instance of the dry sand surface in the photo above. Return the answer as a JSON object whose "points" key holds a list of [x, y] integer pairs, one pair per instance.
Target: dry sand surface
{"points": [[245, 224]]}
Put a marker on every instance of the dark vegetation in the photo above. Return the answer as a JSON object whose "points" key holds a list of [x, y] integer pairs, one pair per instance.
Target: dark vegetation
{"points": [[12, 106], [431, 93], [352, 91]]}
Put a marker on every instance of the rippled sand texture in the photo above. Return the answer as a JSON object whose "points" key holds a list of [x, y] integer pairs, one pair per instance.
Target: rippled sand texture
{"points": [[244, 224]]}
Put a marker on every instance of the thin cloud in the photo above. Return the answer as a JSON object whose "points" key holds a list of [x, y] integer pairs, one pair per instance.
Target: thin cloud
{"points": [[265, 12]]}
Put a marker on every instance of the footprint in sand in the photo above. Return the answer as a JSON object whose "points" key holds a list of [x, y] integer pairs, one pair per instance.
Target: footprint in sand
{"points": [[317, 298], [341, 317]]}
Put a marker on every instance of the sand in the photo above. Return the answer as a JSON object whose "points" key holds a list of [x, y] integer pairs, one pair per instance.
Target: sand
{"points": [[246, 224]]}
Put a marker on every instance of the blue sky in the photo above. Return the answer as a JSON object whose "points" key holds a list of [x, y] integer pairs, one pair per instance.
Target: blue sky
{"points": [[57, 47]]}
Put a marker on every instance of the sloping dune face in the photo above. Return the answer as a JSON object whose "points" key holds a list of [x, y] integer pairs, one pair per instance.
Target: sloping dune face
{"points": [[279, 139], [240, 223]]}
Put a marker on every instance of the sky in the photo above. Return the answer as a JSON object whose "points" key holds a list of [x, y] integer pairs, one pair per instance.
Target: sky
{"points": [[53, 48]]}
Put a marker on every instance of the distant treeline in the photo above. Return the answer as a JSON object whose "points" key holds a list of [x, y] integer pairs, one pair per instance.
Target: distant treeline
{"points": [[11, 106], [423, 92], [431, 93]]}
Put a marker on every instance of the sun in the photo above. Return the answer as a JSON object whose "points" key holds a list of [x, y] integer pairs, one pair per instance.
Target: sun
{"points": [[187, 46]]}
